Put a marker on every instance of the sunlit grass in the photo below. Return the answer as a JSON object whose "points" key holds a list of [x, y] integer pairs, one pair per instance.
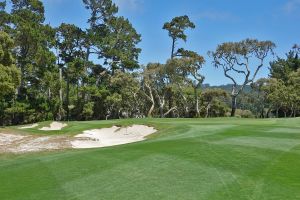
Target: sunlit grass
{"points": [[187, 159]]}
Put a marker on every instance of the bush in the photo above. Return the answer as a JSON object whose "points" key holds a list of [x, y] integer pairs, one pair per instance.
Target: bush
{"points": [[88, 111], [244, 113]]}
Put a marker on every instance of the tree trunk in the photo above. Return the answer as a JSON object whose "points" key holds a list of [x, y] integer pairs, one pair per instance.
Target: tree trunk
{"points": [[151, 110], [292, 113], [161, 101], [171, 103], [108, 114], [77, 91], [170, 110], [88, 52], [187, 112], [22, 84], [67, 102], [161, 111], [268, 112], [186, 107], [60, 110], [263, 113], [173, 48], [60, 89], [233, 106], [170, 92], [207, 110], [196, 102], [151, 98], [277, 112]]}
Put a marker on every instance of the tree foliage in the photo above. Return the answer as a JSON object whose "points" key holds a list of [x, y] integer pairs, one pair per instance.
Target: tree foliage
{"points": [[236, 57], [71, 73], [176, 29], [9, 74]]}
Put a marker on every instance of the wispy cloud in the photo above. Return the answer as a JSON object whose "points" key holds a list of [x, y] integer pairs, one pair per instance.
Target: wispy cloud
{"points": [[217, 16], [292, 6], [129, 5]]}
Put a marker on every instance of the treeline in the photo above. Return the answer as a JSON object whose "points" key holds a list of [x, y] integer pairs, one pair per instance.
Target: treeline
{"points": [[66, 73], [278, 95]]}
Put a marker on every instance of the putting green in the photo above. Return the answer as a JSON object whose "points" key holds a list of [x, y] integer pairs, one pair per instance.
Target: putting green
{"points": [[187, 159]]}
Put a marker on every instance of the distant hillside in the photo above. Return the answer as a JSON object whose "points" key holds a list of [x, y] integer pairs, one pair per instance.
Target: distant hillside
{"points": [[227, 87]]}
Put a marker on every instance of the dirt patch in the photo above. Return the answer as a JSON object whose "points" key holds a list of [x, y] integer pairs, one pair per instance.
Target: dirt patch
{"points": [[11, 143], [54, 126]]}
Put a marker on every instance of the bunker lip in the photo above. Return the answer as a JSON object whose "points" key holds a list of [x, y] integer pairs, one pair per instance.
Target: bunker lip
{"points": [[97, 138], [54, 126], [29, 126]]}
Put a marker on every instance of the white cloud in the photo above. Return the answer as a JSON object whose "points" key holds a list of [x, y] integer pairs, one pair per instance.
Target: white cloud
{"points": [[129, 5], [292, 6]]}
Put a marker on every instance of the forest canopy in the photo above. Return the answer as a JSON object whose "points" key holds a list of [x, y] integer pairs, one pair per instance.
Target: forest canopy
{"points": [[70, 73]]}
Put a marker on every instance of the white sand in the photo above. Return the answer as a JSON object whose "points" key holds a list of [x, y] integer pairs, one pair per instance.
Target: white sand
{"points": [[29, 126], [111, 136], [54, 126], [14, 143]]}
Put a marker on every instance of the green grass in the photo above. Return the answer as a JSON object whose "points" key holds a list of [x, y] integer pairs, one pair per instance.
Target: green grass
{"points": [[188, 159]]}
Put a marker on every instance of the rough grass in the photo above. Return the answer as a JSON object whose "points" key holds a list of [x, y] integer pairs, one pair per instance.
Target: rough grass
{"points": [[187, 159]]}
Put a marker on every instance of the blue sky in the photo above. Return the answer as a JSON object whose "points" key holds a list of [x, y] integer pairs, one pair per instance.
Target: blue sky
{"points": [[217, 21]]}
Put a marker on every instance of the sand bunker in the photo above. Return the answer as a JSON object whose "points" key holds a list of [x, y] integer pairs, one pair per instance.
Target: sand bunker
{"points": [[111, 136], [15, 143], [10, 143], [54, 126], [29, 126]]}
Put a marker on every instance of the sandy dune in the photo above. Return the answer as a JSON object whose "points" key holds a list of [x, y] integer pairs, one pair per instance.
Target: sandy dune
{"points": [[54, 126]]}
